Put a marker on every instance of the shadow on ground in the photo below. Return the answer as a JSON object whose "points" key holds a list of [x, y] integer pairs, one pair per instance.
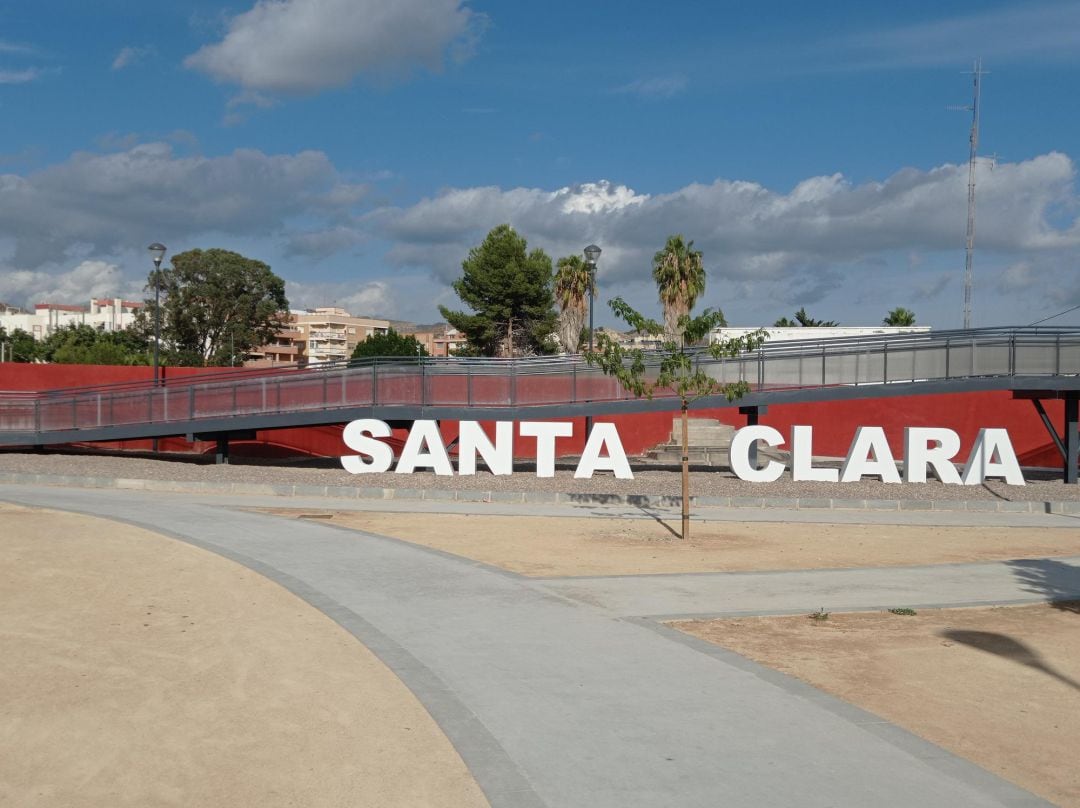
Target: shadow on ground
{"points": [[1056, 581], [1006, 647]]}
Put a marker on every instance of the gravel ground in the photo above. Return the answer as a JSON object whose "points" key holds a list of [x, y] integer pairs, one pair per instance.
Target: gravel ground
{"points": [[648, 479]]}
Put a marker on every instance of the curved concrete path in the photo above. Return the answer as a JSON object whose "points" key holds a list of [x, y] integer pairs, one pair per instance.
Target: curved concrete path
{"points": [[554, 701]]}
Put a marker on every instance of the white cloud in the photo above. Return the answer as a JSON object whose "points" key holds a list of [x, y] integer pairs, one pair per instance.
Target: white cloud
{"points": [[745, 229], [654, 88], [16, 48], [108, 202], [1018, 277], [1046, 31], [317, 244], [20, 76], [825, 241], [370, 299], [303, 46], [130, 55], [88, 279]]}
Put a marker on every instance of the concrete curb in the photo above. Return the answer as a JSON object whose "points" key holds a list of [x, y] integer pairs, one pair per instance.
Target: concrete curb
{"points": [[542, 497]]}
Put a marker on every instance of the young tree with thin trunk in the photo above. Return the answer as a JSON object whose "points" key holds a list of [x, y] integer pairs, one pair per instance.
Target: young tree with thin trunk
{"points": [[680, 279], [673, 369], [572, 285]]}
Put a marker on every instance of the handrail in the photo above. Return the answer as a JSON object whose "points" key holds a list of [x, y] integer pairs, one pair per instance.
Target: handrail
{"points": [[460, 383]]}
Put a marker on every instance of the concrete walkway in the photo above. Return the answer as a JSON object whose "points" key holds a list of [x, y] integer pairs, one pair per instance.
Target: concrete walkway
{"points": [[555, 697]]}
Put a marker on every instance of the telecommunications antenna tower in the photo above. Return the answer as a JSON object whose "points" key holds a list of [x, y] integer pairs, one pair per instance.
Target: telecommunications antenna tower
{"points": [[969, 275]]}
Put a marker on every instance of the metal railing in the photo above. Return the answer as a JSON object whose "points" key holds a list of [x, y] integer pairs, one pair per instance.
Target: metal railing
{"points": [[334, 388]]}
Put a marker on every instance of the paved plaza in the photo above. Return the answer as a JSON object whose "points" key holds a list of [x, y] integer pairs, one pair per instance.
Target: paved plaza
{"points": [[568, 692]]}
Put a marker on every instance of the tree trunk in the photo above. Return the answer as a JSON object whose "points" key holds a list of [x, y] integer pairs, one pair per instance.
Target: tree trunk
{"points": [[685, 474]]}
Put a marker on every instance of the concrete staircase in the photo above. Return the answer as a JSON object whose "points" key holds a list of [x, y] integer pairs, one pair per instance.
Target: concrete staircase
{"points": [[708, 445]]}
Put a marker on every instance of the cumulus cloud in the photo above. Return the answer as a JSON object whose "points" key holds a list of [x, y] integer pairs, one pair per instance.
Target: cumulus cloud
{"points": [[746, 229], [111, 201], [88, 279], [318, 244], [370, 299], [303, 46], [130, 55]]}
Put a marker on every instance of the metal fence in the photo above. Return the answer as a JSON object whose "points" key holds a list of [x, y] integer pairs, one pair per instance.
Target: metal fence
{"points": [[494, 384]]}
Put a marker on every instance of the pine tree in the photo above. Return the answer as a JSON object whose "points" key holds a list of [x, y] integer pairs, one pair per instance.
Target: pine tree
{"points": [[510, 293]]}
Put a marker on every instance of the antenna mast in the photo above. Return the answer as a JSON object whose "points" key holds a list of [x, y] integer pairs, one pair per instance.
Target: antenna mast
{"points": [[969, 277]]}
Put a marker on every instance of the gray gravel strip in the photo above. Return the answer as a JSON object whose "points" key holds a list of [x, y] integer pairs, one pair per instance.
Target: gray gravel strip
{"points": [[650, 486]]}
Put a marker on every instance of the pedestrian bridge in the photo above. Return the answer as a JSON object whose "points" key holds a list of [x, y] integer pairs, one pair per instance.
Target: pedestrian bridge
{"points": [[1035, 363]]}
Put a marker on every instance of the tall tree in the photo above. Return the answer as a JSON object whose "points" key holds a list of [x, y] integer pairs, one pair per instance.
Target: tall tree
{"points": [[899, 317], [509, 291], [389, 344], [680, 279], [573, 281], [216, 305], [672, 369]]}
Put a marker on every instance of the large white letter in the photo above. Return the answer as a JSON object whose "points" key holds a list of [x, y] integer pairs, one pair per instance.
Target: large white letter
{"points": [[472, 440], [918, 454], [869, 454], [424, 434], [602, 435], [981, 463], [360, 436], [802, 450], [545, 434], [739, 456]]}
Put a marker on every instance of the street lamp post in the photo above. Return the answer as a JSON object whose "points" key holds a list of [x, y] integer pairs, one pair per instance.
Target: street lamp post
{"points": [[157, 252], [592, 253]]}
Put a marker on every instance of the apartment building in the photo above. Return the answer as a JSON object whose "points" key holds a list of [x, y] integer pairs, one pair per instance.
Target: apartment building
{"points": [[105, 314], [324, 334], [439, 341]]}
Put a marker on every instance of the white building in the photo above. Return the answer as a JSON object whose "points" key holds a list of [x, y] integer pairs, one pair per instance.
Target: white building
{"points": [[104, 314], [815, 332]]}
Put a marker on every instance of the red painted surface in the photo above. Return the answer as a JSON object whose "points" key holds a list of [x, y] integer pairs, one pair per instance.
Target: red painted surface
{"points": [[834, 422], [25, 376]]}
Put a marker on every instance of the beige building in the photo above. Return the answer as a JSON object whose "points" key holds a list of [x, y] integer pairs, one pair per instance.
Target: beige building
{"points": [[323, 334], [439, 341]]}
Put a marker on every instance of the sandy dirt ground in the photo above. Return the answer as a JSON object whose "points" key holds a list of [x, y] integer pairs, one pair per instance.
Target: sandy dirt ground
{"points": [[141, 671], [998, 686], [567, 546]]}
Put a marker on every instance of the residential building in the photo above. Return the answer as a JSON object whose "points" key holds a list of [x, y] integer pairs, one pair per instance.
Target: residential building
{"points": [[816, 332], [324, 334], [104, 314], [442, 340]]}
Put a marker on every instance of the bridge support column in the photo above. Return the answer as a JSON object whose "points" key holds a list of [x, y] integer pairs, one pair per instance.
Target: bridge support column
{"points": [[753, 415], [1072, 436], [221, 456], [1068, 443]]}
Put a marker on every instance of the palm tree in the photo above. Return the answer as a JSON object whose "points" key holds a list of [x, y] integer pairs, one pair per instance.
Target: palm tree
{"points": [[807, 321], [899, 317], [572, 283], [680, 278]]}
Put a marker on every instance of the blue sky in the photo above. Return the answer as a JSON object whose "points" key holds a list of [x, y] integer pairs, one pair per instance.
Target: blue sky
{"points": [[362, 146]]}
